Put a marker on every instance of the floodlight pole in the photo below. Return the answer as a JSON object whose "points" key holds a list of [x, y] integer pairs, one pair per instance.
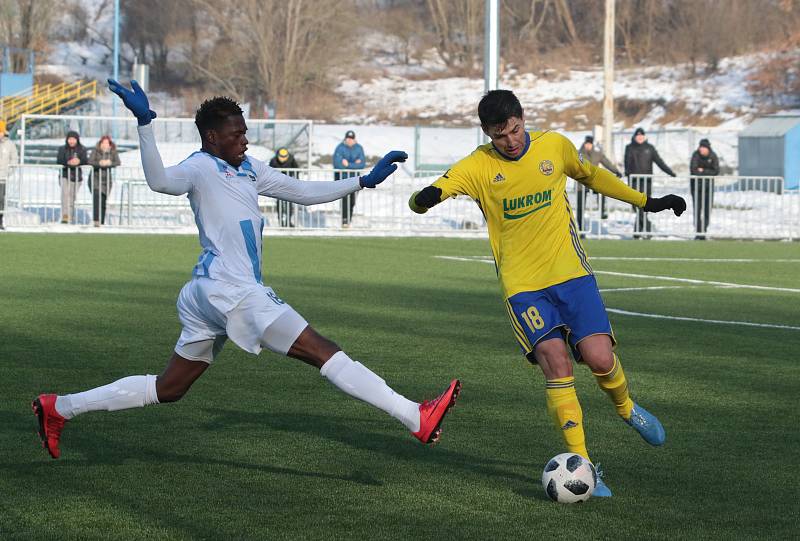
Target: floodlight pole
{"points": [[491, 57], [491, 52], [608, 82], [116, 66]]}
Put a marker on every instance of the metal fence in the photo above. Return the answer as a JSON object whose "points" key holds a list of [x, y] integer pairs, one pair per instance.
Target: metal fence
{"points": [[41, 135], [727, 207], [723, 207]]}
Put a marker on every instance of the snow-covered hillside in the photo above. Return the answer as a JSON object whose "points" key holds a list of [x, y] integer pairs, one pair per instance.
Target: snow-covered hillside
{"points": [[657, 91]]}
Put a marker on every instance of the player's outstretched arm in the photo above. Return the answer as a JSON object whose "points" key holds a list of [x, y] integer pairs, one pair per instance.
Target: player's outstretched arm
{"points": [[424, 199], [172, 181], [313, 193]]}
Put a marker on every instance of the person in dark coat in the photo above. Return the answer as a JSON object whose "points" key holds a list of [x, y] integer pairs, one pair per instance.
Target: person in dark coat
{"points": [[703, 167], [595, 156], [103, 159], [284, 160], [349, 155], [639, 158], [72, 155]]}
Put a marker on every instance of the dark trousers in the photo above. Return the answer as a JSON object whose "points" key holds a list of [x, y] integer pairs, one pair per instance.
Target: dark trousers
{"points": [[702, 200], [99, 206], [642, 224], [2, 201], [348, 201], [285, 213], [100, 186], [580, 208]]}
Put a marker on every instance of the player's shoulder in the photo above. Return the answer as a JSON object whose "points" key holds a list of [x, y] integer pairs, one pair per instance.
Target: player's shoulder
{"points": [[199, 160], [471, 160], [550, 137]]}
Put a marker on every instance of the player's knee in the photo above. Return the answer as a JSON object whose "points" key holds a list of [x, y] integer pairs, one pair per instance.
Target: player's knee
{"points": [[600, 360], [603, 362], [313, 348], [170, 393]]}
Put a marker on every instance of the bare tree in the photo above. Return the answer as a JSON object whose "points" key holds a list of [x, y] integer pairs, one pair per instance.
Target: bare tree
{"points": [[154, 28], [26, 24], [265, 50], [458, 26]]}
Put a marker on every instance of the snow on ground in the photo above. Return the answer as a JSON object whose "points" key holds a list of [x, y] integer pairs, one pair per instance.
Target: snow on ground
{"points": [[722, 94]]}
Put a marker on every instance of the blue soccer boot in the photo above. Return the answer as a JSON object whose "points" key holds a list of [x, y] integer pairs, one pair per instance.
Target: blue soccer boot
{"points": [[601, 490], [647, 425]]}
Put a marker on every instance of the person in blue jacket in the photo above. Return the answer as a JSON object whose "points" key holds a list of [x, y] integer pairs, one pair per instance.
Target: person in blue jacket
{"points": [[348, 155]]}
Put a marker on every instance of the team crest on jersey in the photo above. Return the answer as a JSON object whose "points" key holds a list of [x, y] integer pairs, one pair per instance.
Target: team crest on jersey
{"points": [[546, 167], [499, 178]]}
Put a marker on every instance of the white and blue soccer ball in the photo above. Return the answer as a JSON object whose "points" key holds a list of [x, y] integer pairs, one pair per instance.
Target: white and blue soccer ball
{"points": [[569, 478]]}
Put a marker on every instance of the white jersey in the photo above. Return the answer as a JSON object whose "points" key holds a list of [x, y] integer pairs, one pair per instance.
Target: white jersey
{"points": [[224, 200]]}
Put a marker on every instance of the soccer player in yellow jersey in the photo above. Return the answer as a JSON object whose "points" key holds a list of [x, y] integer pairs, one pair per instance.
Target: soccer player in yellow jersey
{"points": [[519, 182]]}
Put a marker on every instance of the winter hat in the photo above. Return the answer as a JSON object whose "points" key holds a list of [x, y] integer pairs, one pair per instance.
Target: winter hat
{"points": [[589, 139], [705, 143], [639, 131], [350, 134], [283, 153]]}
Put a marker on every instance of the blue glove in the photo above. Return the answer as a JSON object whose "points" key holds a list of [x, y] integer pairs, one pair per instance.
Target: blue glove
{"points": [[383, 169], [135, 101]]}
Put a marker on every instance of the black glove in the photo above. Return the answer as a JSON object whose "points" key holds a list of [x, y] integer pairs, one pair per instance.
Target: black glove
{"points": [[674, 202], [619, 175], [428, 197]]}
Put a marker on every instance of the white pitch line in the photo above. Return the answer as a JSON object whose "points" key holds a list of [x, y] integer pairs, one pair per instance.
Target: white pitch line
{"points": [[657, 259], [693, 259], [611, 290], [701, 282], [698, 320], [650, 276], [478, 259]]}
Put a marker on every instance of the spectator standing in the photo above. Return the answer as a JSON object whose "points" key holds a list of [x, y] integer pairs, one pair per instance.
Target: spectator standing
{"points": [[282, 161], [8, 156], [639, 158], [348, 156], [595, 156], [104, 159], [703, 167], [72, 155]]}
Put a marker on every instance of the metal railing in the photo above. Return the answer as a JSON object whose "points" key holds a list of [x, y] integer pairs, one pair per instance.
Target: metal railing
{"points": [[726, 207], [47, 99], [717, 207]]}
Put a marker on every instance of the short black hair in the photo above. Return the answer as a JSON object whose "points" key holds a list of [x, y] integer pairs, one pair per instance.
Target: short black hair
{"points": [[214, 112], [497, 106]]}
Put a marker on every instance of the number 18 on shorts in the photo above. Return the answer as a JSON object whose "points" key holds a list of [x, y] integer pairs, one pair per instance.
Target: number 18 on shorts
{"points": [[571, 310]]}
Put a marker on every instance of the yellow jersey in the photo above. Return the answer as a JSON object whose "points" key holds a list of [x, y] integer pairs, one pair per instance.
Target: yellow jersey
{"points": [[532, 231]]}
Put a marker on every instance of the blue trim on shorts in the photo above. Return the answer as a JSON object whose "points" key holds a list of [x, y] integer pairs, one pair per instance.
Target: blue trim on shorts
{"points": [[203, 264]]}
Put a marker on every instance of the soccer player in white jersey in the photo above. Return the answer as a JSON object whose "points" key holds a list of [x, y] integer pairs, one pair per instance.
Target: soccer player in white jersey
{"points": [[225, 297]]}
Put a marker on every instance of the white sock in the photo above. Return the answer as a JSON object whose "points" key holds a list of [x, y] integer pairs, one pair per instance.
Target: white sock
{"points": [[360, 382], [130, 392]]}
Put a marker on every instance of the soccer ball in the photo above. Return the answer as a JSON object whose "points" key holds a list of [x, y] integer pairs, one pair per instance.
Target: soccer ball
{"points": [[569, 478]]}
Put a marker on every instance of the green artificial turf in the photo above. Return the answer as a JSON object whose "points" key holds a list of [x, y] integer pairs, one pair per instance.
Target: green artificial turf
{"points": [[264, 448]]}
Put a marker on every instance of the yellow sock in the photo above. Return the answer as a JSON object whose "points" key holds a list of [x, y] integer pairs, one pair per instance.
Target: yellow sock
{"points": [[565, 410], [615, 385]]}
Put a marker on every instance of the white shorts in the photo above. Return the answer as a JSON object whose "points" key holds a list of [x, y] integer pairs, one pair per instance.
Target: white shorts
{"points": [[252, 316]]}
